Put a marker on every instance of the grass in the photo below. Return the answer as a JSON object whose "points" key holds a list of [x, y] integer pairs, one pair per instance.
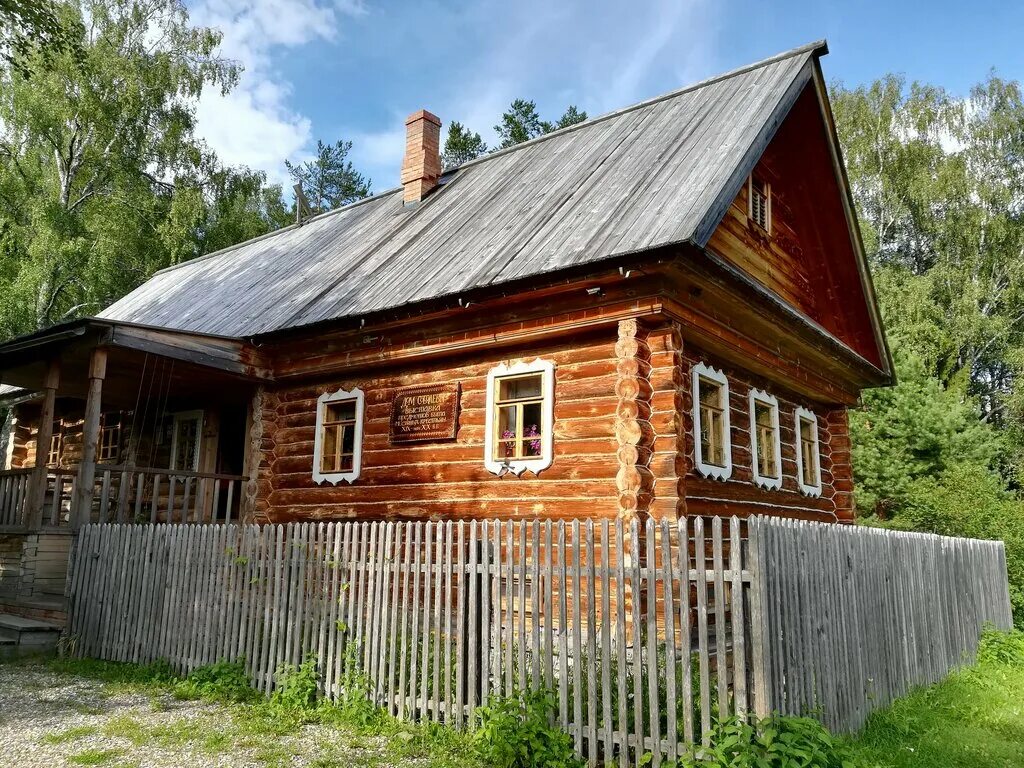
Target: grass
{"points": [[972, 719], [95, 757], [272, 731]]}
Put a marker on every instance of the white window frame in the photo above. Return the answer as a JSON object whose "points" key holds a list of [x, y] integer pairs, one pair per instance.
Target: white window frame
{"points": [[760, 397], [351, 475], [179, 417], [535, 464], [767, 203], [803, 414], [697, 372]]}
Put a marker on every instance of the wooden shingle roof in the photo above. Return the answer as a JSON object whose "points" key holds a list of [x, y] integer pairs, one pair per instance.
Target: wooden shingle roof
{"points": [[652, 175]]}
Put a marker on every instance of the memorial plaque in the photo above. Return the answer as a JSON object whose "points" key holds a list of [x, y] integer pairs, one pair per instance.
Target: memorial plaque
{"points": [[425, 413]]}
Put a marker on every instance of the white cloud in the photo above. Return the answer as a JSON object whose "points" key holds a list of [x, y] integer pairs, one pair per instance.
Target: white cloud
{"points": [[253, 124], [598, 54]]}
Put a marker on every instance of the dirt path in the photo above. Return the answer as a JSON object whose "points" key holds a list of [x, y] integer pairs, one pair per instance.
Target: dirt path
{"points": [[49, 719]]}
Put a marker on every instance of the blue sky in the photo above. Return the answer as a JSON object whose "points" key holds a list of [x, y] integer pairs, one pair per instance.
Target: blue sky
{"points": [[330, 69]]}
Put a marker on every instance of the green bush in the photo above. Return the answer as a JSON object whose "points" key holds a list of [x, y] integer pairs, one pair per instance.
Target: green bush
{"points": [[517, 732], [776, 742], [225, 681], [966, 500], [1001, 648]]}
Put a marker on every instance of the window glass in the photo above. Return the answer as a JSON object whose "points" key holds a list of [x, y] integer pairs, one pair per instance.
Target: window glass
{"points": [[185, 443], [338, 437], [519, 417], [766, 427], [712, 423], [809, 452]]}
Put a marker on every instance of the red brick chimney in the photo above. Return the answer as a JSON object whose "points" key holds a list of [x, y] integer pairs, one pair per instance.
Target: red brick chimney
{"points": [[421, 167]]}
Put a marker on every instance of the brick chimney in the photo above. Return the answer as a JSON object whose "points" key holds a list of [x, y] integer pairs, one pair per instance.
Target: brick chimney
{"points": [[421, 167]]}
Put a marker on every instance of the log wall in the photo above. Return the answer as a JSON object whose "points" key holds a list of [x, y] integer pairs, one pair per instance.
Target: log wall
{"points": [[738, 495]]}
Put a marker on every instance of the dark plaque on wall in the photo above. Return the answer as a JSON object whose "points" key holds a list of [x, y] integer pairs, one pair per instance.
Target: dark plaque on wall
{"points": [[425, 413]]}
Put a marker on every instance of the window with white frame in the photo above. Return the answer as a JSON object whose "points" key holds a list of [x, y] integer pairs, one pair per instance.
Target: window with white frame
{"points": [[765, 442], [712, 446], [338, 445], [186, 436], [760, 202], [520, 417], [808, 467]]}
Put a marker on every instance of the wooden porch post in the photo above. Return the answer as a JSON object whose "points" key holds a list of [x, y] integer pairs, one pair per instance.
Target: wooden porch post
{"points": [[34, 505], [90, 437]]}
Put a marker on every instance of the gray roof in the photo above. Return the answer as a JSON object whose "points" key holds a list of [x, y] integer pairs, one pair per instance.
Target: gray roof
{"points": [[658, 173]]}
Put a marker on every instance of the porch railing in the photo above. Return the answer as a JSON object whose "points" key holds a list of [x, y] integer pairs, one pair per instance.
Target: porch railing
{"points": [[123, 495], [14, 488], [148, 495]]}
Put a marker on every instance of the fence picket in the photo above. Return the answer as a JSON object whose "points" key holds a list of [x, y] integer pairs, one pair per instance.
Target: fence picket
{"points": [[796, 616]]}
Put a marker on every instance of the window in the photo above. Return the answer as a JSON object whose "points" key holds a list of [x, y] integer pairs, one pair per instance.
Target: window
{"points": [[765, 444], [520, 417], [56, 444], [712, 446], [760, 203], [808, 469], [185, 440], [109, 448], [337, 448]]}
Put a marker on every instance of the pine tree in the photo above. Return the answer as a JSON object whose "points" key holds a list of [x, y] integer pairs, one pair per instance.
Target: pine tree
{"points": [[461, 146]]}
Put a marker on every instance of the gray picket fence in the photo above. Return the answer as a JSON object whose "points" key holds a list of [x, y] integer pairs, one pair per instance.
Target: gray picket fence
{"points": [[856, 617], [645, 634]]}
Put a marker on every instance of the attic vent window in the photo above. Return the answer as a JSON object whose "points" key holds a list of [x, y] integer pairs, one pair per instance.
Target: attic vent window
{"points": [[760, 203]]}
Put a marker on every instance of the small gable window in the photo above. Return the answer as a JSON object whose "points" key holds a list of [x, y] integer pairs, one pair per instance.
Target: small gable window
{"points": [[337, 447], [760, 203], [808, 467], [712, 448], [520, 417], [765, 443]]}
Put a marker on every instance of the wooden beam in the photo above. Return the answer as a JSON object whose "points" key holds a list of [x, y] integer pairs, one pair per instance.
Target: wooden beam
{"points": [[82, 510], [37, 491]]}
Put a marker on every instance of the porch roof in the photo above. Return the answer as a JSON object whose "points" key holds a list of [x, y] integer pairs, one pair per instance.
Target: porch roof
{"points": [[220, 360]]}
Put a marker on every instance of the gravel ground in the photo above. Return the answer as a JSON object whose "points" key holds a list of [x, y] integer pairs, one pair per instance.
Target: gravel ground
{"points": [[49, 719]]}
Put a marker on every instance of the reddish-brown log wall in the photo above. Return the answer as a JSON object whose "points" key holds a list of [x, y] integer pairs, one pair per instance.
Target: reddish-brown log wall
{"points": [[738, 495], [448, 479]]}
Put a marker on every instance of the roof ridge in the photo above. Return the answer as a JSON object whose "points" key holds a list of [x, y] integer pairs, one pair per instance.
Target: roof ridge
{"points": [[819, 47]]}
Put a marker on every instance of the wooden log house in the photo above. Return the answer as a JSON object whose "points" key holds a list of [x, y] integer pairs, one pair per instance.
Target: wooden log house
{"points": [[660, 312]]}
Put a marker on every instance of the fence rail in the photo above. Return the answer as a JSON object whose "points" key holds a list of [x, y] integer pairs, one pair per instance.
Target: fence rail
{"points": [[646, 634]]}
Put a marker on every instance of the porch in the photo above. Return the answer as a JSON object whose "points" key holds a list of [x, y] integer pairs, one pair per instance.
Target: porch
{"points": [[115, 423]]}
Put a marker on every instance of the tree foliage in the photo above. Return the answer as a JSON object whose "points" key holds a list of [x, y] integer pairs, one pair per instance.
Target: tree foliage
{"points": [[461, 146], [939, 186], [521, 122], [329, 180], [103, 179], [33, 27]]}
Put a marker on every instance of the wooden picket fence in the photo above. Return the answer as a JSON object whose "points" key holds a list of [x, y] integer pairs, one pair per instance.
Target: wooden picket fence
{"points": [[644, 634], [856, 617]]}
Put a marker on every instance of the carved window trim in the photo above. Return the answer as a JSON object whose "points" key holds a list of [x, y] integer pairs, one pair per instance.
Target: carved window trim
{"points": [[535, 464], [723, 471], [349, 476], [802, 416], [760, 397]]}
